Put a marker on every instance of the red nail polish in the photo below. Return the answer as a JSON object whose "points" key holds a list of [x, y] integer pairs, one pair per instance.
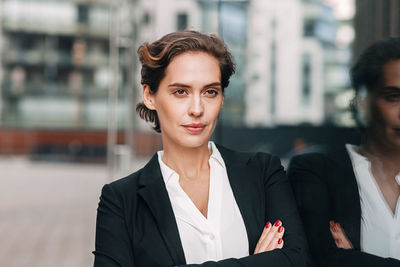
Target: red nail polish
{"points": [[280, 229], [267, 225], [277, 223], [280, 241]]}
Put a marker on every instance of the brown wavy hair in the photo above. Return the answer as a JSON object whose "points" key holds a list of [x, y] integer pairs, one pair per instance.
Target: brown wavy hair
{"points": [[156, 56]]}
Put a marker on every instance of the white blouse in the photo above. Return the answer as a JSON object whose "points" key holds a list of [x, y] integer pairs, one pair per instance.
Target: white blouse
{"points": [[222, 234], [380, 228]]}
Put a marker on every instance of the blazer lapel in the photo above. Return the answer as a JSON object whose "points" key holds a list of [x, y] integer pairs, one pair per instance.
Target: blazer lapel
{"points": [[245, 193], [154, 193], [348, 200]]}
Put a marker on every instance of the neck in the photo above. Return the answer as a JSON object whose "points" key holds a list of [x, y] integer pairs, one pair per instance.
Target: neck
{"points": [[187, 162], [388, 156]]}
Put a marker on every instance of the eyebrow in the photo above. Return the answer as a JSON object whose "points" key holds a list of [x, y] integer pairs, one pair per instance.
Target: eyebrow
{"points": [[178, 85], [390, 88], [187, 86]]}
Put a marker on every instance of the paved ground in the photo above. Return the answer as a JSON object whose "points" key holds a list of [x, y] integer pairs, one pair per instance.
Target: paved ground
{"points": [[47, 212]]}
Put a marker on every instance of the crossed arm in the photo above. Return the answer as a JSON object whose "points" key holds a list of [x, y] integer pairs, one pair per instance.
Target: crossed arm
{"points": [[329, 244]]}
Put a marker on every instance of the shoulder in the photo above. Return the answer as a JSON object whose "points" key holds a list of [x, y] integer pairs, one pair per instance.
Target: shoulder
{"points": [[254, 164], [313, 160], [247, 158], [122, 190], [308, 169], [324, 166], [317, 160], [130, 184]]}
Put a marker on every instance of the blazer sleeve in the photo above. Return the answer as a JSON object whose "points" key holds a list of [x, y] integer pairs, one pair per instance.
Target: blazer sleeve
{"points": [[307, 174], [279, 204], [113, 247]]}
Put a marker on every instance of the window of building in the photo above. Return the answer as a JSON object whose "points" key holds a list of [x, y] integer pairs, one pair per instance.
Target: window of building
{"points": [[146, 18], [308, 27], [83, 13], [306, 74], [182, 21]]}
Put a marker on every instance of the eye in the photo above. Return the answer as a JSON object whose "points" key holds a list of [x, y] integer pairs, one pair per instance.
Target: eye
{"points": [[211, 92], [180, 92], [392, 97]]}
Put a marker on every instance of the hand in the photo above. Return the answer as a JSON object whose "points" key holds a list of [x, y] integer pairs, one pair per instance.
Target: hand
{"points": [[271, 237], [339, 235]]}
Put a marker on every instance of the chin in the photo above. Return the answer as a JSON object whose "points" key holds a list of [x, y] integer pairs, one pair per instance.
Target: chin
{"points": [[194, 141]]}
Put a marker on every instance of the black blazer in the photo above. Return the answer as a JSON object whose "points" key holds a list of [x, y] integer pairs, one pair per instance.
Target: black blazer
{"points": [[325, 189], [136, 224]]}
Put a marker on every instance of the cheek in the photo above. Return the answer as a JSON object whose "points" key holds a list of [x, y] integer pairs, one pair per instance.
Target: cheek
{"points": [[164, 111], [386, 114], [215, 110], [171, 112]]}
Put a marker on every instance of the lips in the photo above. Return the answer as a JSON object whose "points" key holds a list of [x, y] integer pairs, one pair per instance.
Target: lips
{"points": [[194, 128]]}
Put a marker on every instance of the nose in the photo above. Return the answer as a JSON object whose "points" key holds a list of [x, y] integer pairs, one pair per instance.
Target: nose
{"points": [[196, 107]]}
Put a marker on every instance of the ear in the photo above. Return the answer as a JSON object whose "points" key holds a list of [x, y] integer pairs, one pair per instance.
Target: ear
{"points": [[362, 105], [148, 97]]}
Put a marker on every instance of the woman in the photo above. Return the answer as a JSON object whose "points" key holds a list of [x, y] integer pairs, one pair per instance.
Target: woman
{"points": [[352, 196], [196, 202]]}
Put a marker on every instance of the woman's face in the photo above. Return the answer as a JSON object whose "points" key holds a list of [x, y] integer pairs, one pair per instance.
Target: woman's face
{"points": [[385, 107], [188, 99]]}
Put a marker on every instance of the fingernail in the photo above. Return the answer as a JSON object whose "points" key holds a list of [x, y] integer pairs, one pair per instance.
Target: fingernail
{"points": [[268, 225], [280, 229], [331, 223], [277, 223], [280, 241]]}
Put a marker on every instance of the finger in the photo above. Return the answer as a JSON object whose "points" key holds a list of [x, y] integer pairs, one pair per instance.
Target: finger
{"points": [[274, 230], [339, 236], [280, 243], [345, 242], [270, 236], [280, 232], [347, 245], [266, 230], [338, 243], [275, 243], [336, 236], [277, 239]]}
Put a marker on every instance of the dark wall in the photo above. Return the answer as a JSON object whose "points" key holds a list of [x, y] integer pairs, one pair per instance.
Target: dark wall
{"points": [[375, 20]]}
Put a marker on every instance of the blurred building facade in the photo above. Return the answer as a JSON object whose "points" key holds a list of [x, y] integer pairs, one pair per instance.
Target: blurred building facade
{"points": [[58, 71], [55, 58], [55, 63], [295, 67], [274, 58], [289, 70]]}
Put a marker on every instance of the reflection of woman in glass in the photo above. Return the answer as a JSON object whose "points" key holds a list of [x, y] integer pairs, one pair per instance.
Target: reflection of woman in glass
{"points": [[352, 197], [196, 202]]}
